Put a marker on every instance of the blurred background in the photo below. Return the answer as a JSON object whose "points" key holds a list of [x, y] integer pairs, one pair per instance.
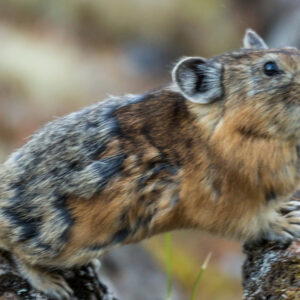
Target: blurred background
{"points": [[60, 55]]}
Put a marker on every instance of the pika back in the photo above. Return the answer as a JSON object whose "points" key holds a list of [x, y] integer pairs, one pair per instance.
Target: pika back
{"points": [[215, 150]]}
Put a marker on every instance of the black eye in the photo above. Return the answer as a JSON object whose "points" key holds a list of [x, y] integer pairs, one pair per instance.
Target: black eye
{"points": [[271, 68]]}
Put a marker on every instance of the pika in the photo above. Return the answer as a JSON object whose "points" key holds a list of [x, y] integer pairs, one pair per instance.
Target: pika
{"points": [[216, 150]]}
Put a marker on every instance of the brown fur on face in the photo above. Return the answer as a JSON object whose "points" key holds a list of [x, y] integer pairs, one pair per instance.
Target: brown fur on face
{"points": [[263, 105], [218, 150]]}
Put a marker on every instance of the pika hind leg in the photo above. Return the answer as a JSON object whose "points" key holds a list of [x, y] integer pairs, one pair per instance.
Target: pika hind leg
{"points": [[53, 285]]}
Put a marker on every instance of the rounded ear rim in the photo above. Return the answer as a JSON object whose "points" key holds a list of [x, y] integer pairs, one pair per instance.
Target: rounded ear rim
{"points": [[181, 62], [252, 40], [207, 96]]}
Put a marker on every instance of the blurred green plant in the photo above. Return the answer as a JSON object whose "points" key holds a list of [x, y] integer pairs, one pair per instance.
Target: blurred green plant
{"points": [[196, 283], [169, 264], [168, 241]]}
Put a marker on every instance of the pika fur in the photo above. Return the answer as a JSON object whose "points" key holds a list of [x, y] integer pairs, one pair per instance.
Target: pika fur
{"points": [[216, 150]]}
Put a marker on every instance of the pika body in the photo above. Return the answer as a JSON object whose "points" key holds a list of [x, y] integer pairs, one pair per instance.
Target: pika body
{"points": [[215, 150]]}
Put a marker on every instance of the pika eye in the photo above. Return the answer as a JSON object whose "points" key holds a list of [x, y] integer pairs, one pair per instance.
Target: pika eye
{"points": [[271, 68]]}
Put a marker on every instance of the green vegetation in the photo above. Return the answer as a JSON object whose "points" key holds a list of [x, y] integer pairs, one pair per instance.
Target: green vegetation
{"points": [[168, 240], [169, 264], [196, 283]]}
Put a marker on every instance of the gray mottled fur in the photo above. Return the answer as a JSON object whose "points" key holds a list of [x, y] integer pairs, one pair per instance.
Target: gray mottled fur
{"points": [[48, 166]]}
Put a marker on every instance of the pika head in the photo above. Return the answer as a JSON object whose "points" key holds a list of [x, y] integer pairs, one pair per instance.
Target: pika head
{"points": [[256, 87]]}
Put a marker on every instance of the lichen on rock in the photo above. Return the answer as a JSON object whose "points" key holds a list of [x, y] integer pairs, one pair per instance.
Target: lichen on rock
{"points": [[272, 271]]}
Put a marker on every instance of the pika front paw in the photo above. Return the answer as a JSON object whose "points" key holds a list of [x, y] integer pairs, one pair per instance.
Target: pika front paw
{"points": [[286, 226], [53, 285]]}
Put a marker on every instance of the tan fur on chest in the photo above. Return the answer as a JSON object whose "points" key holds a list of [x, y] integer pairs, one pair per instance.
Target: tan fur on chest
{"points": [[239, 180]]}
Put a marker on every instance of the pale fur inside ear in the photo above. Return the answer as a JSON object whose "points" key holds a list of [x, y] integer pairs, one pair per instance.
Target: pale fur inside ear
{"points": [[253, 41], [198, 79]]}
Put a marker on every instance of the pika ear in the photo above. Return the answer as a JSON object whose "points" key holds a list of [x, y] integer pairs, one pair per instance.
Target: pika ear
{"points": [[253, 41], [198, 79]]}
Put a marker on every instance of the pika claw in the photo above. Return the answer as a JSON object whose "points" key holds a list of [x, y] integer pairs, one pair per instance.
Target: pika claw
{"points": [[290, 206], [286, 228]]}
